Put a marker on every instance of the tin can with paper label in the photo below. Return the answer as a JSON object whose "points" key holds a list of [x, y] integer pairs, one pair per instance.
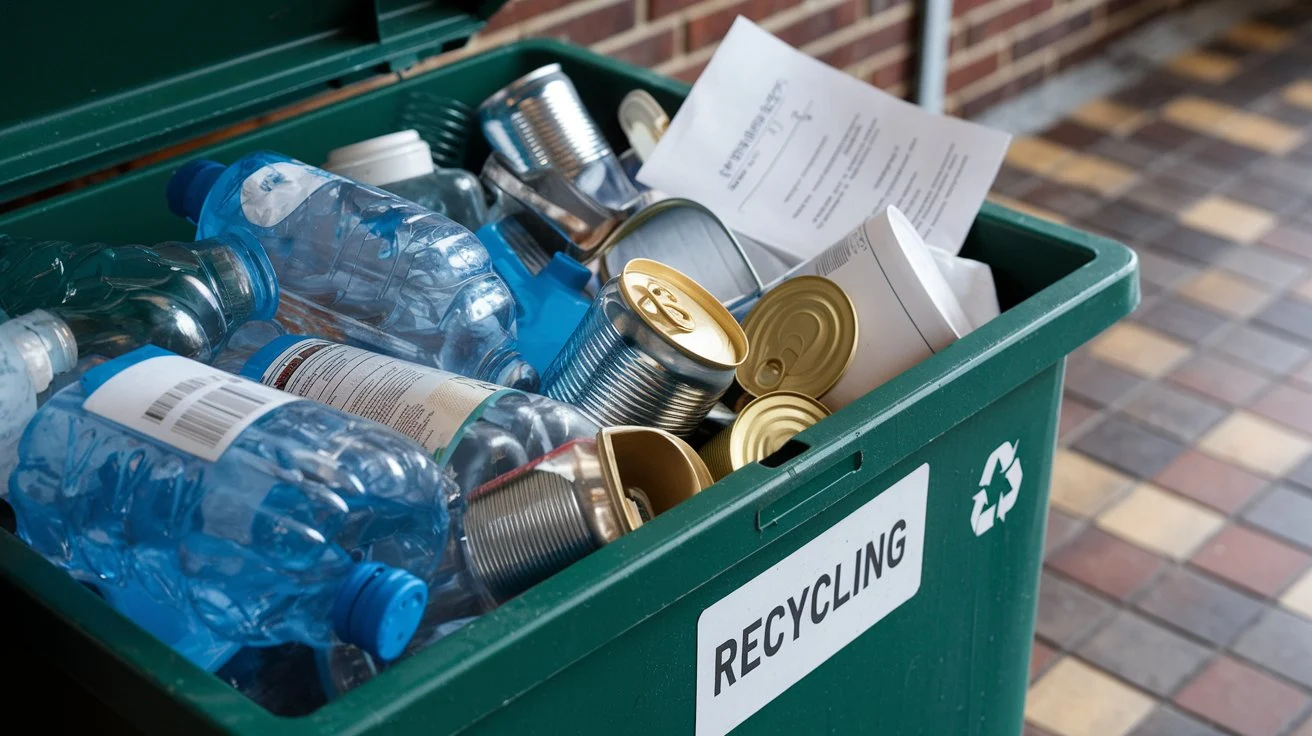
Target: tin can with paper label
{"points": [[762, 427], [803, 335], [655, 349]]}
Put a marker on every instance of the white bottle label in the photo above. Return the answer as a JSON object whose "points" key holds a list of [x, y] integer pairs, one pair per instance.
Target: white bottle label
{"points": [[194, 407], [425, 404], [273, 192]]}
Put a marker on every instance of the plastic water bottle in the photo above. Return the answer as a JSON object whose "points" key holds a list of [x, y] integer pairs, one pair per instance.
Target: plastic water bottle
{"points": [[365, 253], [476, 430], [216, 512], [185, 297], [34, 348], [402, 163], [541, 486]]}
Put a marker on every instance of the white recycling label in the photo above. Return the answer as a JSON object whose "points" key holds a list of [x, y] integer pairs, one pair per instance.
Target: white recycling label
{"points": [[761, 639], [425, 404], [273, 192], [186, 404]]}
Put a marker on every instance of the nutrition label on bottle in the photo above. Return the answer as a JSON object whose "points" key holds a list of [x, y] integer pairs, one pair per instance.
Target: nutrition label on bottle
{"points": [[425, 404], [183, 403]]}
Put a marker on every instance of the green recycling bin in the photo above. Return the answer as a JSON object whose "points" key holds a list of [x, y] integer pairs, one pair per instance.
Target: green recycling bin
{"points": [[878, 574]]}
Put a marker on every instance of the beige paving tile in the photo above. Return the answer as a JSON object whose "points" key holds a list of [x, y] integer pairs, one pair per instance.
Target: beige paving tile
{"points": [[1254, 443], [1229, 219], [1227, 293], [1258, 36], [1027, 208], [1036, 155], [1197, 113], [1139, 349], [1205, 66], [1161, 521], [1074, 699], [1299, 93], [1262, 133], [1110, 116], [1083, 486], [1095, 174], [1299, 596]]}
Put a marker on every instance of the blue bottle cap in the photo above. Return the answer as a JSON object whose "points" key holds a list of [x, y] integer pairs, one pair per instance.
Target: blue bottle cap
{"points": [[190, 185], [264, 281], [378, 609]]}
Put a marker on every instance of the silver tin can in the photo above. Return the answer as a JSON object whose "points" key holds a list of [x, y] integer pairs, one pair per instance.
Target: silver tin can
{"points": [[655, 349], [539, 122]]}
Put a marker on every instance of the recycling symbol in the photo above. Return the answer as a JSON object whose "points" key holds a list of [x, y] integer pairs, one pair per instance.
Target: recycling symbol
{"points": [[1003, 459]]}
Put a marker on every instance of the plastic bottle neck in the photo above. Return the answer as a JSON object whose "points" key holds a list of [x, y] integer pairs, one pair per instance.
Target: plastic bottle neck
{"points": [[45, 343], [241, 275], [506, 367]]}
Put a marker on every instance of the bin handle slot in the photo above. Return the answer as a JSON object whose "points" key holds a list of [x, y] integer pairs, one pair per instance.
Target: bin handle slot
{"points": [[812, 496]]}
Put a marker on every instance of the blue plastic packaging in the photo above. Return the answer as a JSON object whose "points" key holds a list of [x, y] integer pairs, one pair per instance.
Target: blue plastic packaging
{"points": [[548, 305], [365, 253], [222, 513]]}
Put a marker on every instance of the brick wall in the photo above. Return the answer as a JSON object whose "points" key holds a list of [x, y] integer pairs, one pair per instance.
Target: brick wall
{"points": [[999, 47]]}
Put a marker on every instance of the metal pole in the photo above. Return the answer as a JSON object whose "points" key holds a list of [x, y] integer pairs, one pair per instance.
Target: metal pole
{"points": [[934, 54]]}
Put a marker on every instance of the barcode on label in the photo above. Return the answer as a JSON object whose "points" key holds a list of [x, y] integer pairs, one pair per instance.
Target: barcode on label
{"points": [[187, 405], [833, 259], [166, 403], [210, 419]]}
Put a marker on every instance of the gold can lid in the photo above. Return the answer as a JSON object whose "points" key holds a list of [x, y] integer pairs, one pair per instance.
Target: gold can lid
{"points": [[803, 336], [767, 423], [684, 313], [648, 471]]}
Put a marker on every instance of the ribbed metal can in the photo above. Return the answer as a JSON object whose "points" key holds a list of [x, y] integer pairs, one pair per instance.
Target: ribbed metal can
{"points": [[655, 349], [539, 122]]}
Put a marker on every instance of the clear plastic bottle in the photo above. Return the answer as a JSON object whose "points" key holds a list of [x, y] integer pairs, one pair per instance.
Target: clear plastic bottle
{"points": [[476, 430], [185, 297], [402, 163], [541, 486], [34, 348], [366, 253], [202, 503]]}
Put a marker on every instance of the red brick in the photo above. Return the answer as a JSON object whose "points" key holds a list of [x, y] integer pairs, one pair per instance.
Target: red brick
{"points": [[707, 29], [891, 75], [594, 26], [972, 72], [1052, 34], [662, 8], [1005, 20], [821, 23], [870, 44], [690, 74], [961, 7], [650, 50], [516, 11]]}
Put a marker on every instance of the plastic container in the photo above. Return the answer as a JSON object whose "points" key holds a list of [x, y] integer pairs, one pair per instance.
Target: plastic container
{"points": [[616, 639]]}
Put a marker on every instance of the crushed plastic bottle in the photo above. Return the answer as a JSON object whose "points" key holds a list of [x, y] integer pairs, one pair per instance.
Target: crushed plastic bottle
{"points": [[34, 348], [402, 163], [217, 513], [185, 297], [541, 486], [365, 253], [477, 430]]}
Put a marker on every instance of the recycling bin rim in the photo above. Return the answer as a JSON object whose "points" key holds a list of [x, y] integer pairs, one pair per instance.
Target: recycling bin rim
{"points": [[551, 626]]}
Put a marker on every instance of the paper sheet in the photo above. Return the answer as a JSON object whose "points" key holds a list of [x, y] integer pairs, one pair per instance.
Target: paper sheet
{"points": [[796, 154]]}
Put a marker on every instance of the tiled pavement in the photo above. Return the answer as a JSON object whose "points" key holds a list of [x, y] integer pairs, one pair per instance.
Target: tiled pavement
{"points": [[1177, 593]]}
